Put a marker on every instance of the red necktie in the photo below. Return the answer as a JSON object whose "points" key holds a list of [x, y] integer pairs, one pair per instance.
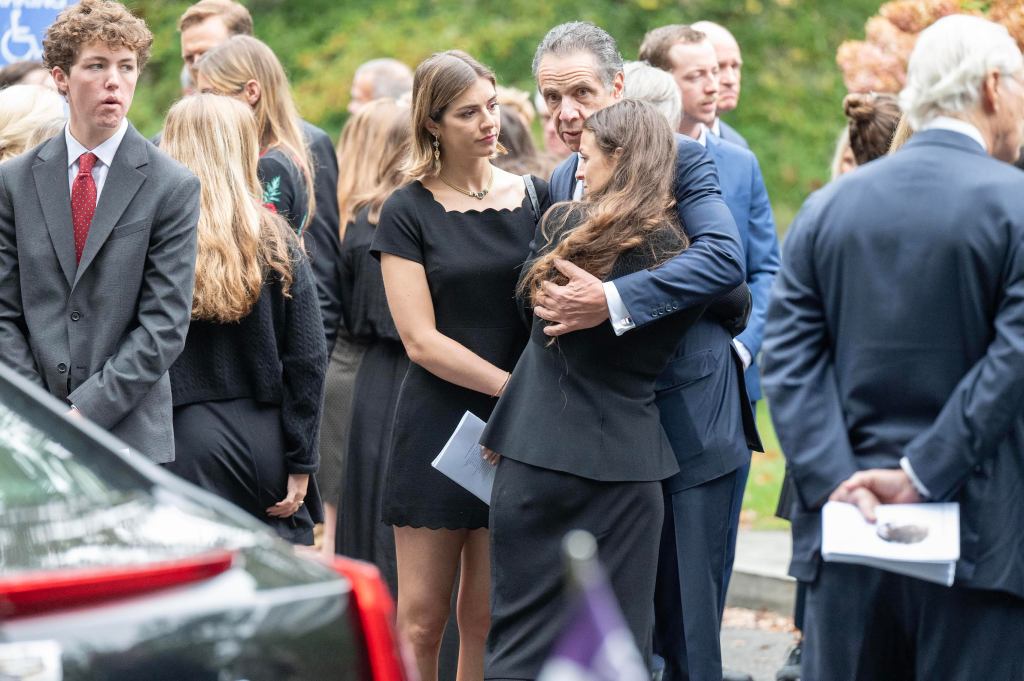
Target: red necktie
{"points": [[83, 201]]}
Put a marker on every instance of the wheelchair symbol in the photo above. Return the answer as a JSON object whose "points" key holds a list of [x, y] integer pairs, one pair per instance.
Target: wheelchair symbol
{"points": [[18, 42]]}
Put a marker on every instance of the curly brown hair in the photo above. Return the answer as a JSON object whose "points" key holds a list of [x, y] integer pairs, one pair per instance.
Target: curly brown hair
{"points": [[90, 21]]}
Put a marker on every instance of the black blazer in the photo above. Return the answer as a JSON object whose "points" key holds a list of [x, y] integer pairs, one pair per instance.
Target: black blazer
{"points": [[896, 328], [584, 404]]}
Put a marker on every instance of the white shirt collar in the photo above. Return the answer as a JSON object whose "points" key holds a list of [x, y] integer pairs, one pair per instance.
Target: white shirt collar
{"points": [[702, 138], [104, 152], [716, 127], [956, 125]]}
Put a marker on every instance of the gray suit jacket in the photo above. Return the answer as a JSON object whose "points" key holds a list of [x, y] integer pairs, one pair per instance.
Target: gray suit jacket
{"points": [[100, 334]]}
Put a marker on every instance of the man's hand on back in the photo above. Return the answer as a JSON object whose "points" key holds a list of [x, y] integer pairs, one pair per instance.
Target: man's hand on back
{"points": [[579, 304], [867, 489]]}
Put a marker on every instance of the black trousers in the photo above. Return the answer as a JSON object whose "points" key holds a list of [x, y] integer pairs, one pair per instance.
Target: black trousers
{"points": [[531, 511], [690, 595], [864, 624]]}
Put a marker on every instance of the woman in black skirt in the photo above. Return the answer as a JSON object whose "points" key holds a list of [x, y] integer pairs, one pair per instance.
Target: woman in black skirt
{"points": [[360, 531], [577, 430], [451, 244], [247, 388]]}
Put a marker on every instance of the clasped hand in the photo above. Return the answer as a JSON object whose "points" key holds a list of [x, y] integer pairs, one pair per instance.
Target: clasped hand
{"points": [[867, 489], [294, 499], [579, 304]]}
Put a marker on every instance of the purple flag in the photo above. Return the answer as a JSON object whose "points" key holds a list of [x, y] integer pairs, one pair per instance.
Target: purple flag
{"points": [[596, 644]]}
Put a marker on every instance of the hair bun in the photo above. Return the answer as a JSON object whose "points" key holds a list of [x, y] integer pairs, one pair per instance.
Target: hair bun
{"points": [[859, 107]]}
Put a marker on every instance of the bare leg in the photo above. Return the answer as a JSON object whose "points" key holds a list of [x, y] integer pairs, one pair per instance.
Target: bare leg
{"points": [[474, 605], [427, 561], [330, 524]]}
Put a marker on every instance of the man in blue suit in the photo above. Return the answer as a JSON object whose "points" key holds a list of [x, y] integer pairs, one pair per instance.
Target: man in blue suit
{"points": [[704, 408], [691, 60], [894, 362], [730, 72]]}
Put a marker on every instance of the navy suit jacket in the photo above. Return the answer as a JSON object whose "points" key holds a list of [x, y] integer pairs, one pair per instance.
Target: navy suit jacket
{"points": [[747, 198], [729, 134], [704, 410], [896, 328]]}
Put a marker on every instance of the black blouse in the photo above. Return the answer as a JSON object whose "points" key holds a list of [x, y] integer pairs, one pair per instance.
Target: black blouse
{"points": [[284, 188], [364, 304]]}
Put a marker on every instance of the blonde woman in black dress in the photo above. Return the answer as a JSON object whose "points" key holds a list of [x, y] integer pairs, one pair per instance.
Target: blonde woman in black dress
{"points": [[451, 244]]}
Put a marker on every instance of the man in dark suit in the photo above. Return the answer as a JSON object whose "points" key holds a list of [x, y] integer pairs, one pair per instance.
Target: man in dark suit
{"points": [[98, 241], [690, 59], [204, 26], [894, 362], [703, 406], [730, 73]]}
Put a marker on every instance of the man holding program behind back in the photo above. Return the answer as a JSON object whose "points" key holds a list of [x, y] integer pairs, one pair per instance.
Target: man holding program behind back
{"points": [[894, 365]]}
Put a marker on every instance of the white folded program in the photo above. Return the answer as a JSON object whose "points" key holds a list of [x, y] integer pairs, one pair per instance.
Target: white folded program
{"points": [[917, 540]]}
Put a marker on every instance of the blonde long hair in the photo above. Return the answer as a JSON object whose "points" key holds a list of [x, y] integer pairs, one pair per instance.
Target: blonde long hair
{"points": [[242, 58], [240, 241], [29, 114], [388, 170], [359, 153]]}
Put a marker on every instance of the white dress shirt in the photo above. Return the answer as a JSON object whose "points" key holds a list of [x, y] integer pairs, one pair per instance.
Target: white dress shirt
{"points": [[104, 154], [956, 125]]}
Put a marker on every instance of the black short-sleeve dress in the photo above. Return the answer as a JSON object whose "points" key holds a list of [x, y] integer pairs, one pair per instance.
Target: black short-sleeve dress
{"points": [[472, 261]]}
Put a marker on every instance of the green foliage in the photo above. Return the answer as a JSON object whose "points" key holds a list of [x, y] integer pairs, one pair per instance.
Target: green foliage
{"points": [[792, 90]]}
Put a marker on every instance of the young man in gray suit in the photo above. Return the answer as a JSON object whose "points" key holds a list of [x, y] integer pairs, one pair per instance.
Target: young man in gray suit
{"points": [[98, 241], [894, 365]]}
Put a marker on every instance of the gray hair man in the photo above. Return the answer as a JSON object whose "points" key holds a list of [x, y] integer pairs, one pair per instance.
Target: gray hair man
{"points": [[730, 74], [894, 365], [379, 78], [579, 71]]}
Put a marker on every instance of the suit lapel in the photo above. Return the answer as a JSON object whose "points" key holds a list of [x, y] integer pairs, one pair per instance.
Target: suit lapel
{"points": [[51, 178], [122, 183]]}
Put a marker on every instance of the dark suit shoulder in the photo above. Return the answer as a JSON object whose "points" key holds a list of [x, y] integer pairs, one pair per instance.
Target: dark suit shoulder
{"points": [[316, 136]]}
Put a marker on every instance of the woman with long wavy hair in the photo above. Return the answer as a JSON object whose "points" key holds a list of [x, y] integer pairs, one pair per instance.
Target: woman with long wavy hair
{"points": [[246, 69], [360, 532], [247, 387], [576, 435]]}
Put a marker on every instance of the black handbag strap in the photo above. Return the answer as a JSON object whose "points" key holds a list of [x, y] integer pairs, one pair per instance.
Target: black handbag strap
{"points": [[531, 191]]}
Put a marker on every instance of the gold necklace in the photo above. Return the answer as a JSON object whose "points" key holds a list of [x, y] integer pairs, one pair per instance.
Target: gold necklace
{"points": [[479, 196]]}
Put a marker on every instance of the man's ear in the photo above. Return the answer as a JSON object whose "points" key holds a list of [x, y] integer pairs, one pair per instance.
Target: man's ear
{"points": [[617, 154], [990, 88], [61, 79], [253, 92], [618, 85]]}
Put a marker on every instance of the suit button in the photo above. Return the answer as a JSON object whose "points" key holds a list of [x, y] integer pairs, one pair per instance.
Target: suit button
{"points": [[61, 368], [75, 316]]}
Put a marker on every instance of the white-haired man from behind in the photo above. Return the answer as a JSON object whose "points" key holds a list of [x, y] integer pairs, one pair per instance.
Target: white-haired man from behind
{"points": [[656, 87], [894, 364]]}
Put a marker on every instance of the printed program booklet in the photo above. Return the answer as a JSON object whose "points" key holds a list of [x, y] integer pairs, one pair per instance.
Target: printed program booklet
{"points": [[461, 461], [918, 540]]}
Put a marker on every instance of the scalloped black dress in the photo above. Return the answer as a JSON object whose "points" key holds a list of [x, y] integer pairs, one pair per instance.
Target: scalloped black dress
{"points": [[472, 261]]}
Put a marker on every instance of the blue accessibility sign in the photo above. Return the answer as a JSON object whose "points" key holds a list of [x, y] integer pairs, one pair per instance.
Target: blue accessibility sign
{"points": [[23, 24]]}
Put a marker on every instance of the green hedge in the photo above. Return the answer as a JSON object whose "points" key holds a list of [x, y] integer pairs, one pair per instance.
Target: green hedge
{"points": [[792, 89]]}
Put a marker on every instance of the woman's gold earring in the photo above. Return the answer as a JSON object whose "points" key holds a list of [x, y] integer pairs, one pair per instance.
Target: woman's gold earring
{"points": [[437, 149]]}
